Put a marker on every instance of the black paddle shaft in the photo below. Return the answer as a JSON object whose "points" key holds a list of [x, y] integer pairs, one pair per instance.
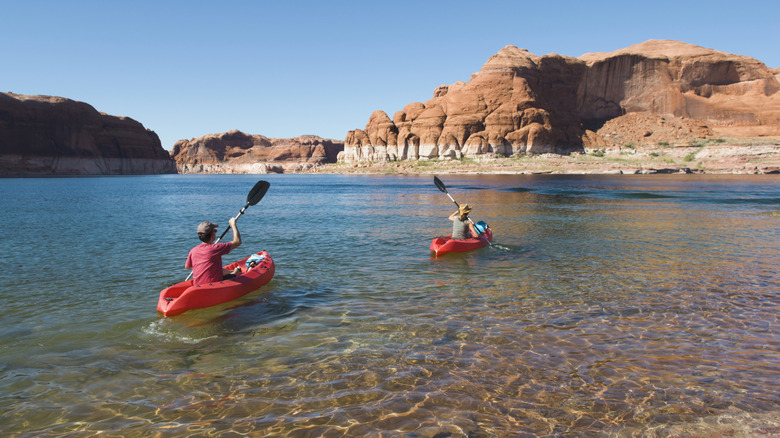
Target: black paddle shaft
{"points": [[254, 196], [440, 185]]}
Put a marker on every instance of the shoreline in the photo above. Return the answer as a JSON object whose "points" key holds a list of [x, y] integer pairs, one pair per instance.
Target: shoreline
{"points": [[759, 156]]}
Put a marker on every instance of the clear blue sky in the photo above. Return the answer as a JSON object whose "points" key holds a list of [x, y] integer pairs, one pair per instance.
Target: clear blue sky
{"points": [[287, 68]]}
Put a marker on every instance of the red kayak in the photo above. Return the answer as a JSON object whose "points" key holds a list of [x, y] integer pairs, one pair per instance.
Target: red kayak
{"points": [[445, 244], [184, 296]]}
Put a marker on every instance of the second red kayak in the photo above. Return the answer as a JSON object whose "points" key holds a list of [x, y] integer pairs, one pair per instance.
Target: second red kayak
{"points": [[184, 296], [446, 244]]}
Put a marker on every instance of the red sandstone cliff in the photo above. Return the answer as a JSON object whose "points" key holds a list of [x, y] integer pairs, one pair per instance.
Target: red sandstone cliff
{"points": [[520, 103], [237, 152], [732, 93], [45, 135]]}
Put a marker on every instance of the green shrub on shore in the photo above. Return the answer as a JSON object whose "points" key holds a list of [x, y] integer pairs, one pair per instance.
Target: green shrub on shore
{"points": [[698, 143], [702, 142], [427, 163]]}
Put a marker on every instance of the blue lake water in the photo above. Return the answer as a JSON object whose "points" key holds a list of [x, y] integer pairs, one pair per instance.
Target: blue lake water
{"points": [[626, 305]]}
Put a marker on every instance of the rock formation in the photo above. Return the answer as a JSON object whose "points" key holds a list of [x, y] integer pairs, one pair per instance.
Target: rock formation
{"points": [[237, 152], [520, 103], [669, 78], [44, 135]]}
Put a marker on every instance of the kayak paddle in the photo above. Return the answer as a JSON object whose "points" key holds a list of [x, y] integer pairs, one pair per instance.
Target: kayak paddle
{"points": [[253, 197], [440, 185]]}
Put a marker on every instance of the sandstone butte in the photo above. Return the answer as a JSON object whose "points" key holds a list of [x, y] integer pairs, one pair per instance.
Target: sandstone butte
{"points": [[237, 152], [45, 135], [659, 92]]}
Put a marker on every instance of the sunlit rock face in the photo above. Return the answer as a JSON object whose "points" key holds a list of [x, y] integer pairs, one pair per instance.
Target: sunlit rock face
{"points": [[520, 103], [237, 152]]}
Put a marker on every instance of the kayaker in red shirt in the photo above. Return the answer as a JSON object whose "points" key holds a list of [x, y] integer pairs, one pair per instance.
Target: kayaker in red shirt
{"points": [[205, 260], [461, 223]]}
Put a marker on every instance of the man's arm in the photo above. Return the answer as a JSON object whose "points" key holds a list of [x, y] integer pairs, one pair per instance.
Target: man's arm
{"points": [[236, 234]]}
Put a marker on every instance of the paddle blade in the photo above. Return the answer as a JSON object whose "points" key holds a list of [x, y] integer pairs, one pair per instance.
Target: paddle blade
{"points": [[257, 192], [440, 185]]}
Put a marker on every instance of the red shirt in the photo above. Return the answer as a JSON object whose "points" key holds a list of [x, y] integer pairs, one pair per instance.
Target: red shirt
{"points": [[206, 262]]}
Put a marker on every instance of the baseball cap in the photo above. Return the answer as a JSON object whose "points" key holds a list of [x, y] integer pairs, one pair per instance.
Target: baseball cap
{"points": [[206, 227]]}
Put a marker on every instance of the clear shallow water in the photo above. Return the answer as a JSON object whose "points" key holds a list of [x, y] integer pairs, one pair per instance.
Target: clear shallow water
{"points": [[610, 306]]}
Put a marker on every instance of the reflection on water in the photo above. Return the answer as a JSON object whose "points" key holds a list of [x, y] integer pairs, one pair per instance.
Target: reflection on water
{"points": [[610, 306]]}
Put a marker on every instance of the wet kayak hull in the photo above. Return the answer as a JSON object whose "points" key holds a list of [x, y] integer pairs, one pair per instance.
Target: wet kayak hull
{"points": [[445, 244], [184, 296]]}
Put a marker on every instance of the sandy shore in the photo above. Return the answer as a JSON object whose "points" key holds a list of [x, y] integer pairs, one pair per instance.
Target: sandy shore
{"points": [[751, 156]]}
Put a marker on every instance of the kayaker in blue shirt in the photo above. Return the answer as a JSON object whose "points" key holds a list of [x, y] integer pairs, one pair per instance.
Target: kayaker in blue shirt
{"points": [[461, 223]]}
